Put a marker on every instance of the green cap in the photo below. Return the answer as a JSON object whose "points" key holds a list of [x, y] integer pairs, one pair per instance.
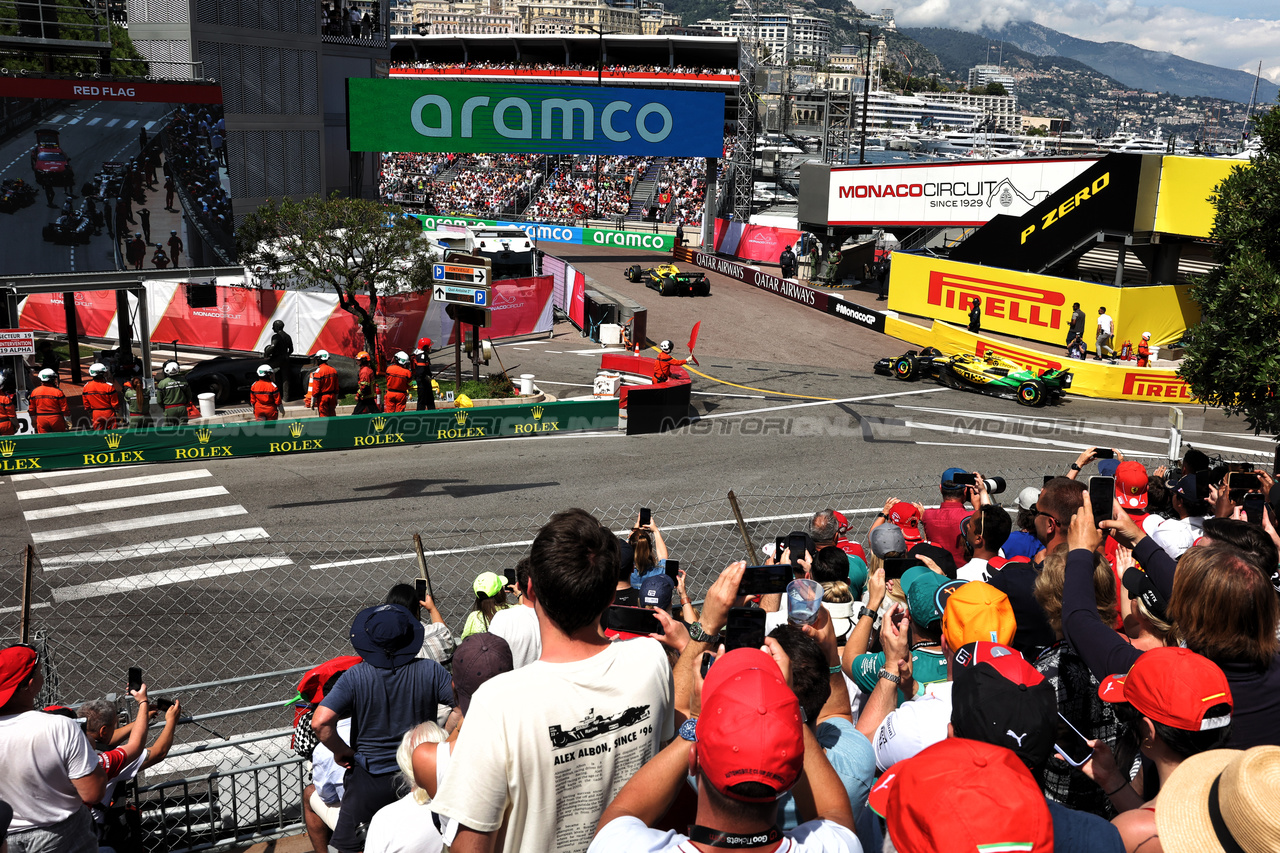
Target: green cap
{"points": [[487, 584], [921, 596]]}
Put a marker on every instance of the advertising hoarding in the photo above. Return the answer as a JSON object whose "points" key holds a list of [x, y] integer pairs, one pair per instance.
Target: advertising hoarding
{"points": [[544, 232], [492, 118], [933, 194], [89, 156]]}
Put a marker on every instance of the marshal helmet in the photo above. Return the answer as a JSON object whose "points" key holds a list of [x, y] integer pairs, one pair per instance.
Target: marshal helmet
{"points": [[666, 346], [424, 343], [322, 355], [402, 357], [171, 368], [264, 370], [97, 369], [362, 356]]}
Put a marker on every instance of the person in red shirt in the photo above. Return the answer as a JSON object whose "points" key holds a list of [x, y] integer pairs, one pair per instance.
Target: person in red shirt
{"points": [[942, 523], [1144, 350], [265, 396], [662, 370], [101, 399], [8, 404], [48, 404], [366, 387], [322, 390], [398, 377]]}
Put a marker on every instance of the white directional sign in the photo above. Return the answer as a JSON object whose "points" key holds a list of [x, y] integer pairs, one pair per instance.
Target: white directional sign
{"points": [[17, 342], [476, 296], [453, 272]]}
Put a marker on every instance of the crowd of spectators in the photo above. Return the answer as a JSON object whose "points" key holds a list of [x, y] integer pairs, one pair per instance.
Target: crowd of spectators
{"points": [[349, 21], [683, 185], [559, 66], [196, 159], [571, 194], [1094, 683], [486, 185], [403, 177]]}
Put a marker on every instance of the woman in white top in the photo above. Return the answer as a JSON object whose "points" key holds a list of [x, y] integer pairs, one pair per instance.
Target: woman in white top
{"points": [[406, 826]]}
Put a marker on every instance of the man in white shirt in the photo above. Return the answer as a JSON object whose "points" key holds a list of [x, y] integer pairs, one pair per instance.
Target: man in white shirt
{"points": [[546, 747], [984, 534], [1106, 328], [519, 625], [49, 771]]}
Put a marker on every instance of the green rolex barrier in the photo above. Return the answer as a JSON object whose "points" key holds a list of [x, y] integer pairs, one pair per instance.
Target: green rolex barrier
{"points": [[51, 451]]}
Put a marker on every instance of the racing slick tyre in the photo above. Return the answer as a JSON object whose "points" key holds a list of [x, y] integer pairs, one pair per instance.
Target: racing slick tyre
{"points": [[702, 288], [666, 286], [633, 273], [49, 233], [1031, 392], [906, 367]]}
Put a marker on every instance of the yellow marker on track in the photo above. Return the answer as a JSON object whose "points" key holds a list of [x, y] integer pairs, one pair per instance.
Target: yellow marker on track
{"points": [[748, 387]]}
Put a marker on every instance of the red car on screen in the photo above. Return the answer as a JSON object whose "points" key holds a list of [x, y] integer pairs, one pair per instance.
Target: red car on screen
{"points": [[49, 162]]}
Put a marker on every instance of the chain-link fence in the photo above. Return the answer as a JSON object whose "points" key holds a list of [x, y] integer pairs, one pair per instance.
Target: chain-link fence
{"points": [[227, 625]]}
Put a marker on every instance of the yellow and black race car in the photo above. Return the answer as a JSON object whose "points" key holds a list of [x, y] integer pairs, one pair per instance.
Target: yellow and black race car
{"points": [[669, 281], [988, 374]]}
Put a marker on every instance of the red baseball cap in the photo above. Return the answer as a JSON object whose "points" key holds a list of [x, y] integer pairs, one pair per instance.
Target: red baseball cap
{"points": [[16, 663], [1131, 485], [1173, 686], [963, 795], [751, 728], [1008, 662], [907, 516]]}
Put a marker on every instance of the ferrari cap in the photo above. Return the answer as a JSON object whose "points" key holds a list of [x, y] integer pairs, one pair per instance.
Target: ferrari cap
{"points": [[1173, 686], [1131, 485]]}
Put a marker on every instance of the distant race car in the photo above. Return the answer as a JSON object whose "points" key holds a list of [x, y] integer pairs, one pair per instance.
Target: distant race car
{"points": [[990, 374], [668, 280], [49, 162], [69, 228]]}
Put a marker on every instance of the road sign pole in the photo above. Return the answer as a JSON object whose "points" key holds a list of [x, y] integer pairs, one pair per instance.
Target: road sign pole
{"points": [[475, 353], [457, 362]]}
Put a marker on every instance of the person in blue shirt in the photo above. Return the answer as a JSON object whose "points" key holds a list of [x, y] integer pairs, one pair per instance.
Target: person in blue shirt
{"points": [[649, 552]]}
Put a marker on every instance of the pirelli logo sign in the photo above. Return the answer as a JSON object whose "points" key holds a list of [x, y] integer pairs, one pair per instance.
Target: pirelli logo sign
{"points": [[1033, 362], [1157, 386], [1016, 303]]}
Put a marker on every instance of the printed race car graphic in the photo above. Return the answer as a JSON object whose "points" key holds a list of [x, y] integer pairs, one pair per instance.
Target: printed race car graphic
{"points": [[989, 374], [593, 724], [668, 280]]}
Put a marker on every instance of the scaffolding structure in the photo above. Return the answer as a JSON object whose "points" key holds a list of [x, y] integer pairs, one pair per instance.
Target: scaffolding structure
{"points": [[741, 167]]}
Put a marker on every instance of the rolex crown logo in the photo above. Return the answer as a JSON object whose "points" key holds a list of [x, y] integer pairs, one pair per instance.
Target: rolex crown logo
{"points": [[7, 448], [537, 413], [204, 434], [461, 417], [113, 439], [295, 429], [379, 424]]}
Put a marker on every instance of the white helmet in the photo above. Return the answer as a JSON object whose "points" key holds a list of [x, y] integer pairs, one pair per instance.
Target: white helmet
{"points": [[48, 375], [264, 370], [171, 368], [402, 357], [665, 346], [97, 369], [322, 354]]}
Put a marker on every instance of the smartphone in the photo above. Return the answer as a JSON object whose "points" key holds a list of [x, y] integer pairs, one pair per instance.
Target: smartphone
{"points": [[1203, 482], [135, 678], [965, 480], [1254, 505], [1102, 497], [510, 575], [420, 587], [673, 568], [627, 597], [163, 704], [1246, 482], [1070, 744], [633, 620], [766, 580], [644, 516], [745, 628], [1104, 453], [799, 544], [896, 567], [707, 660], [1048, 477], [779, 545]]}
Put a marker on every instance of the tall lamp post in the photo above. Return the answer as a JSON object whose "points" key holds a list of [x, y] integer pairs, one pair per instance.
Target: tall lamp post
{"points": [[602, 32], [866, 95]]}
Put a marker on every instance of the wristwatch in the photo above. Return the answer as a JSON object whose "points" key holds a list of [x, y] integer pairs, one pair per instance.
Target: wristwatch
{"points": [[698, 635], [889, 676], [1075, 467], [689, 730]]}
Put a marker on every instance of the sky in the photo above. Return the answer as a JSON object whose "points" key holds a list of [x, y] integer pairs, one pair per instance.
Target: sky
{"points": [[1227, 33]]}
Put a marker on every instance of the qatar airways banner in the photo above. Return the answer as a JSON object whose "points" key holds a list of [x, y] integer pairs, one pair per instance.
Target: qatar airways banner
{"points": [[242, 317], [943, 194], [753, 242]]}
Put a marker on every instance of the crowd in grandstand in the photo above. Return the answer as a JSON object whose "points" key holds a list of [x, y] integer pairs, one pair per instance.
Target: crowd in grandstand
{"points": [[560, 66], [683, 186], [486, 184], [404, 176], [571, 194], [195, 158]]}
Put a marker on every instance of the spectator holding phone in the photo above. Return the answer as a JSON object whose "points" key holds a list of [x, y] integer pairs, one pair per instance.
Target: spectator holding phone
{"points": [[437, 640], [650, 552], [491, 597], [518, 625]]}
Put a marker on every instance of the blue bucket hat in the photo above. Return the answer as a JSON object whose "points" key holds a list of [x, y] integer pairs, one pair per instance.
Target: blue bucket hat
{"points": [[386, 635]]}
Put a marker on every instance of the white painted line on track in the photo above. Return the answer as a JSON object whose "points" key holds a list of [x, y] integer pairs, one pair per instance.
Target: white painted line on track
{"points": [[149, 549], [819, 403], [39, 605], [123, 524], [1065, 451], [168, 576], [103, 485], [113, 122], [92, 122], [72, 472], [121, 503], [131, 123], [698, 393]]}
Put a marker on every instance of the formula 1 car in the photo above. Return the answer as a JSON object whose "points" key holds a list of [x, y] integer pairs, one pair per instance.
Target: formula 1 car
{"points": [[16, 193], [69, 228], [989, 374], [668, 280]]}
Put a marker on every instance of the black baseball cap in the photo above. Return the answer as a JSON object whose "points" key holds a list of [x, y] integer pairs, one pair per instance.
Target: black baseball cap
{"points": [[1006, 702], [1139, 585]]}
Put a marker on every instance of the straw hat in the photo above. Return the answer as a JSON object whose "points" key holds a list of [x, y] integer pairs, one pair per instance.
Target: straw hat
{"points": [[1222, 800]]}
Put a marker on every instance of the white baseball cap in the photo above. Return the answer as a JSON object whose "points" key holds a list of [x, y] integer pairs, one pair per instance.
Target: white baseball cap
{"points": [[915, 725], [1027, 497]]}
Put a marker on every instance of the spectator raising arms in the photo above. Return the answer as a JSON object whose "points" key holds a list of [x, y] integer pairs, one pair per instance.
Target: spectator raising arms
{"points": [[491, 598]]}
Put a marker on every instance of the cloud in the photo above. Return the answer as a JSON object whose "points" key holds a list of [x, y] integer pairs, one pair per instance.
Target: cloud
{"points": [[1228, 42]]}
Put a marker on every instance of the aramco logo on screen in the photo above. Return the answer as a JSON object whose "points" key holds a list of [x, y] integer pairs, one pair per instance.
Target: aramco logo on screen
{"points": [[514, 119]]}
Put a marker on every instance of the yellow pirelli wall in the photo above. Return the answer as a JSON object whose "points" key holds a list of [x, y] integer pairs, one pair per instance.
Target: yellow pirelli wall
{"points": [[1036, 307], [1089, 378], [1182, 206]]}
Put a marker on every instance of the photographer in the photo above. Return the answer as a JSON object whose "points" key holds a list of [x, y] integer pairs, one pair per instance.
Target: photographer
{"points": [[649, 550]]}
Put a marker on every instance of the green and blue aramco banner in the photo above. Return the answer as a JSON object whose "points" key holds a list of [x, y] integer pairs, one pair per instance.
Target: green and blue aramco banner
{"points": [[50, 451], [496, 118]]}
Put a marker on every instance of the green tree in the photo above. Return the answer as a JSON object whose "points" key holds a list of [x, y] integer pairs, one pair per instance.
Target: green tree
{"points": [[1232, 357], [994, 88], [362, 249]]}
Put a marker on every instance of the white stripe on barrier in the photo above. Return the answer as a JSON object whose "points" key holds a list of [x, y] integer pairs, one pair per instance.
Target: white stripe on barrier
{"points": [[168, 576], [123, 524], [149, 549], [121, 503], [102, 485]]}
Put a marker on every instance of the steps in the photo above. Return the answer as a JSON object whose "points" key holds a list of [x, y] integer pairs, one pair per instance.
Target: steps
{"points": [[646, 189]]}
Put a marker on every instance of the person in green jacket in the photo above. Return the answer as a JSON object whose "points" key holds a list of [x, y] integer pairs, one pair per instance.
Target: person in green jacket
{"points": [[491, 597], [174, 394], [136, 396]]}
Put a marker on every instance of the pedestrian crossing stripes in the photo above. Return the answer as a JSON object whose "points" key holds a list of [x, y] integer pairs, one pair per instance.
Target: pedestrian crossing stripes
{"points": [[151, 549], [168, 576], [139, 523], [126, 483], [122, 503]]}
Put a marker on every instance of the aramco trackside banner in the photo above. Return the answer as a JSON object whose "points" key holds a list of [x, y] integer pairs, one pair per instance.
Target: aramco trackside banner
{"points": [[494, 118]]}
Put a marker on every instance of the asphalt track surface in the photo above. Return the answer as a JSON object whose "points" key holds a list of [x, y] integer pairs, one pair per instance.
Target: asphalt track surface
{"points": [[785, 399], [91, 133]]}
